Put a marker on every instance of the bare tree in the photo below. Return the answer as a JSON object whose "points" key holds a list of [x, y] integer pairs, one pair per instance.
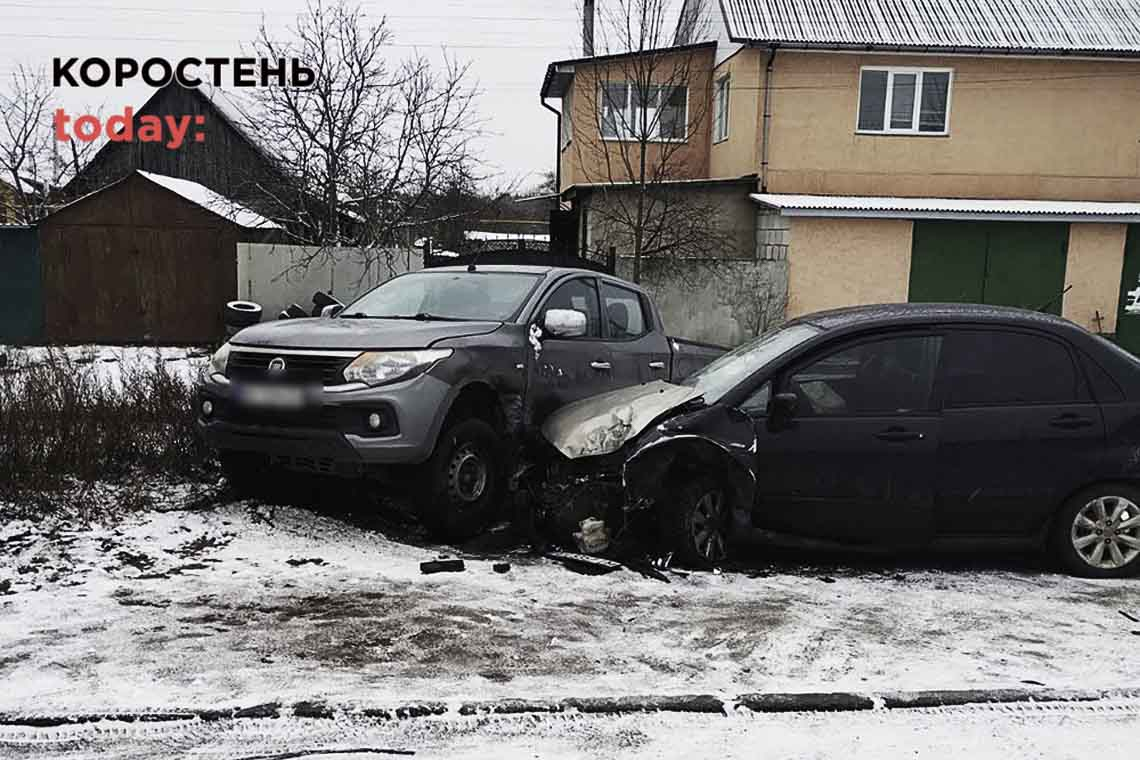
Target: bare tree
{"points": [[32, 160], [652, 111], [371, 142]]}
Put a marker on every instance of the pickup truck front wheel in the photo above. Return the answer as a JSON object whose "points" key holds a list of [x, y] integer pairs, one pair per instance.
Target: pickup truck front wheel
{"points": [[464, 474]]}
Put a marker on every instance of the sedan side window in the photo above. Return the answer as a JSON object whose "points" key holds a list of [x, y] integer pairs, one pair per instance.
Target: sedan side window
{"points": [[987, 368], [581, 295], [888, 376], [757, 403]]}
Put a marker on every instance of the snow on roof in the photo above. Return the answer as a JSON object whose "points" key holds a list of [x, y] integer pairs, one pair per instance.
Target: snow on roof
{"points": [[1034, 26], [212, 201], [481, 235], [948, 208]]}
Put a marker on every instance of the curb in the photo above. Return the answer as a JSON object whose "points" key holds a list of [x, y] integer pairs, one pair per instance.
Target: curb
{"points": [[763, 702]]}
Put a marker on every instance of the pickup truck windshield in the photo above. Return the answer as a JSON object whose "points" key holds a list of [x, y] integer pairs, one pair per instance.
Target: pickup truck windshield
{"points": [[719, 377], [490, 296]]}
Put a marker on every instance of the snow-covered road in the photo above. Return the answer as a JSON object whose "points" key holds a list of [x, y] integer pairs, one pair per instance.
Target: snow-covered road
{"points": [[1105, 730], [240, 604]]}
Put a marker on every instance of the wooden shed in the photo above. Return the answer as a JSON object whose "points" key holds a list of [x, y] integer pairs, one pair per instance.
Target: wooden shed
{"points": [[146, 259]]}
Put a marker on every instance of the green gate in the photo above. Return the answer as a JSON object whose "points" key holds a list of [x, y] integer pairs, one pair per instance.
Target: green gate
{"points": [[1000, 263], [1128, 325], [21, 292]]}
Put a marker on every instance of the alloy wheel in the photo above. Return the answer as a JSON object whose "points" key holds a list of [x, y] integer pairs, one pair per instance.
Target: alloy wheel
{"points": [[1106, 532], [707, 526]]}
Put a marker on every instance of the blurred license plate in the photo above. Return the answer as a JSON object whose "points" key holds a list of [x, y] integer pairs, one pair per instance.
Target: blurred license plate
{"points": [[283, 397]]}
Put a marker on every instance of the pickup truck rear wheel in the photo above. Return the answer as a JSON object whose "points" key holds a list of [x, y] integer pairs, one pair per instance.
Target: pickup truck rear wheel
{"points": [[695, 520], [464, 474]]}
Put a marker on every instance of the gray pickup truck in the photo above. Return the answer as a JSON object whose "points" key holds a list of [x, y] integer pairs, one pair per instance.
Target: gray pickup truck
{"points": [[440, 374]]}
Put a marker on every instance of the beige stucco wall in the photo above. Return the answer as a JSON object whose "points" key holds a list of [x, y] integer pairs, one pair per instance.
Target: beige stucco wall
{"points": [[1092, 271], [846, 262], [1019, 128], [737, 155], [588, 158]]}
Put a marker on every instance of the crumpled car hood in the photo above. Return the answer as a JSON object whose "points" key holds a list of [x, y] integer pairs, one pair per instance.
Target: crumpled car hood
{"points": [[602, 424]]}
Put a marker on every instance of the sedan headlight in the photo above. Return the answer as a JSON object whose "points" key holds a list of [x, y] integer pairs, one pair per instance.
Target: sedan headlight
{"points": [[219, 359], [379, 367]]}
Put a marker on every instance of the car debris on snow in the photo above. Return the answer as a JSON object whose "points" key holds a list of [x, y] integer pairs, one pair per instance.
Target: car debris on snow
{"points": [[442, 565], [586, 563]]}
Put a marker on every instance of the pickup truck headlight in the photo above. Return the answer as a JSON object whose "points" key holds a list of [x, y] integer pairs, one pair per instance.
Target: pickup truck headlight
{"points": [[379, 367], [219, 360]]}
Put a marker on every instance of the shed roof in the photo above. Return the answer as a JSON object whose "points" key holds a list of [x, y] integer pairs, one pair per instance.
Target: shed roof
{"points": [[861, 206], [1088, 27], [212, 201]]}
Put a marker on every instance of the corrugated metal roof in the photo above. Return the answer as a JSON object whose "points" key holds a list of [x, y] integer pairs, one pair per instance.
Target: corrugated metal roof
{"points": [[948, 208], [1033, 26]]}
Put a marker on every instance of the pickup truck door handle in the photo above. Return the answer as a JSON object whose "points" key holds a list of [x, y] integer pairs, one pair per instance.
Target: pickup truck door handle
{"points": [[656, 365], [600, 365], [899, 435], [1070, 421]]}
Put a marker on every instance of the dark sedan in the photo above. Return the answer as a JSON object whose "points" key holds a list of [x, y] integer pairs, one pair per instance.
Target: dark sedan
{"points": [[900, 426]]}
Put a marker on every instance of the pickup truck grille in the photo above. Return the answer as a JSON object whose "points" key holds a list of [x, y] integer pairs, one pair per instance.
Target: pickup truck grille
{"points": [[299, 368]]}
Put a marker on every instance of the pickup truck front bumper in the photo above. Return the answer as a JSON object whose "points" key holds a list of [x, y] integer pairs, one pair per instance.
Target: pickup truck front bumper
{"points": [[333, 436]]}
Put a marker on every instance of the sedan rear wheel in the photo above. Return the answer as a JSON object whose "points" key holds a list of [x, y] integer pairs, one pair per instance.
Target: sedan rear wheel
{"points": [[1098, 532]]}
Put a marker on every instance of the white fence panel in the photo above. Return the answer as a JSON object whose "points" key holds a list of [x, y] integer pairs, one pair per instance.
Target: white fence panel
{"points": [[275, 275]]}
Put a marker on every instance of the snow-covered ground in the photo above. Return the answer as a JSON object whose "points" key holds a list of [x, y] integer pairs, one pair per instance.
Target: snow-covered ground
{"points": [[1106, 731], [111, 362], [241, 603]]}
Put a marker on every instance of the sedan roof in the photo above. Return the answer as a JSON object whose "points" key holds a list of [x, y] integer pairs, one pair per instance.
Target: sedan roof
{"points": [[927, 313]]}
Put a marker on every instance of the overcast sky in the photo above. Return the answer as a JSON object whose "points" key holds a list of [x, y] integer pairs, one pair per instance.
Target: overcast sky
{"points": [[507, 42]]}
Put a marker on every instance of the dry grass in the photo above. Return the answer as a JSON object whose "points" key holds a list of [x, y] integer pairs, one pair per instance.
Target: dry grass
{"points": [[64, 424]]}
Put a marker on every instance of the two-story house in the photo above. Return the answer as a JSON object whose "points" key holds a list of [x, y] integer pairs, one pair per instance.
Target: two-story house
{"points": [[923, 150]]}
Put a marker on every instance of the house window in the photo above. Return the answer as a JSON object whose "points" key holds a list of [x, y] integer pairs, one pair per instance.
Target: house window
{"points": [[634, 112], [904, 101], [567, 121], [720, 110]]}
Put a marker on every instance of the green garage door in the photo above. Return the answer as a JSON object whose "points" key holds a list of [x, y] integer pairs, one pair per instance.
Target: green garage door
{"points": [[1001, 263], [1128, 325]]}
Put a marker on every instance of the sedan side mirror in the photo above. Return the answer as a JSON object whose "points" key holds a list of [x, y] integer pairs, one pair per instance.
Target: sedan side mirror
{"points": [[565, 323], [781, 410], [331, 310]]}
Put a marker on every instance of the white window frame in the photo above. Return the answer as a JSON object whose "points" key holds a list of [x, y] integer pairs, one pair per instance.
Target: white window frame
{"points": [[919, 73], [720, 117], [631, 118]]}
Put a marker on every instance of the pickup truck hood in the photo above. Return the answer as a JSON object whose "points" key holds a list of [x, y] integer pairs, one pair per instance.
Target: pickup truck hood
{"points": [[602, 424], [363, 334]]}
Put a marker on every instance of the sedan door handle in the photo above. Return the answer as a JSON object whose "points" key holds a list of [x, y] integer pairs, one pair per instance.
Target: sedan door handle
{"points": [[1070, 421], [899, 435], [600, 365], [656, 365]]}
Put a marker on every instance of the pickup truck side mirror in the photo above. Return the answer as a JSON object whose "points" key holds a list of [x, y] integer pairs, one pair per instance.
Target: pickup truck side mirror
{"points": [[331, 310], [781, 410], [565, 323]]}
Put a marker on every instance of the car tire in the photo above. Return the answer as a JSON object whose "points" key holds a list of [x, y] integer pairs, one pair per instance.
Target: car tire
{"points": [[247, 475], [1096, 533], [242, 313], [464, 478], [695, 521]]}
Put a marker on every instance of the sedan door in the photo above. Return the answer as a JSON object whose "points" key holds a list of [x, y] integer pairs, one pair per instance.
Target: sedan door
{"points": [[857, 459], [1019, 433], [568, 369]]}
